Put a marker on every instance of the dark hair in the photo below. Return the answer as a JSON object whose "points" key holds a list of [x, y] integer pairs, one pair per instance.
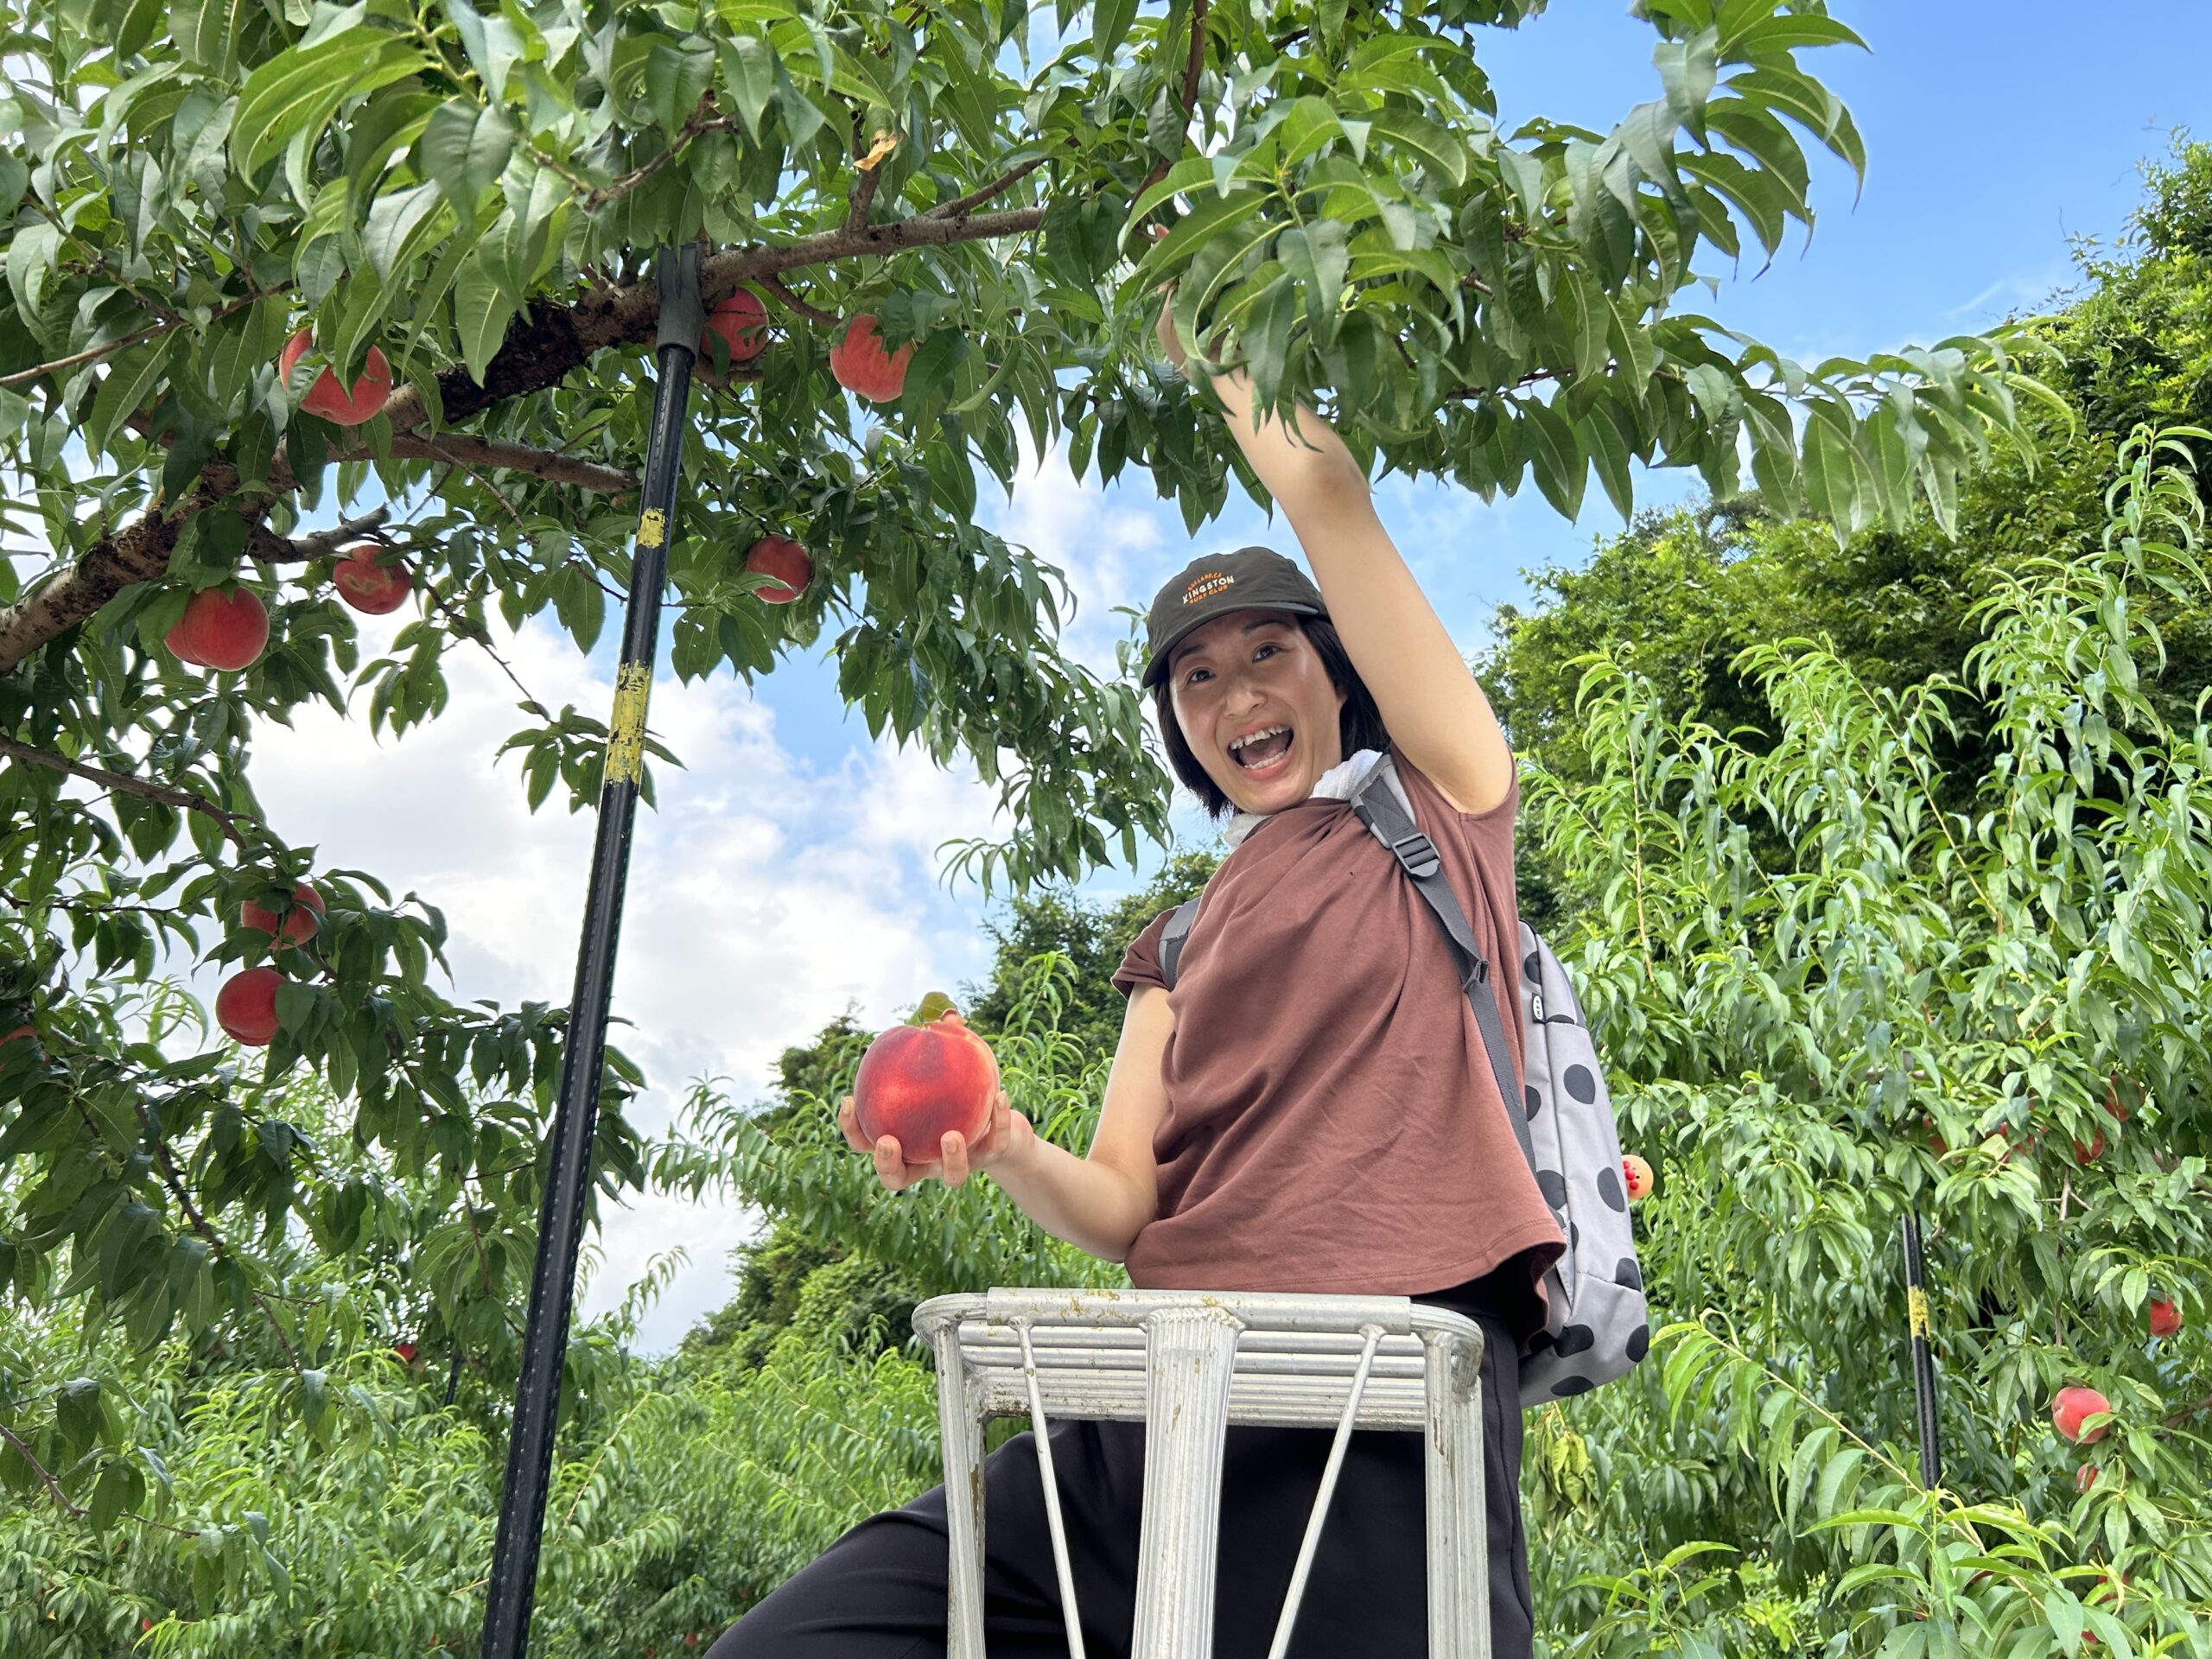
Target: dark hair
{"points": [[1359, 722]]}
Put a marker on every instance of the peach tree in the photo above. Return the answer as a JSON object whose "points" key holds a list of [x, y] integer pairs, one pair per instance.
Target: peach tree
{"points": [[308, 304]]}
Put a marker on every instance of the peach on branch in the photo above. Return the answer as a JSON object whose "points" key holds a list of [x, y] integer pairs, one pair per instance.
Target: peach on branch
{"points": [[790, 565], [369, 587], [923, 1081], [301, 922], [864, 367], [247, 1006], [2073, 1406], [341, 406], [741, 322], [222, 631], [2166, 1317]]}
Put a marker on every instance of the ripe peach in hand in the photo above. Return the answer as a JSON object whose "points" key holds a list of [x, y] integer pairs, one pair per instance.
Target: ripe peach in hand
{"points": [[369, 587], [340, 406], [247, 1006], [921, 1082], [2073, 1406], [864, 367], [300, 924], [790, 565]]}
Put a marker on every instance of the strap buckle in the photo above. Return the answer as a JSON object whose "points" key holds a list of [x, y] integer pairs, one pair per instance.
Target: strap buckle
{"points": [[1417, 854]]}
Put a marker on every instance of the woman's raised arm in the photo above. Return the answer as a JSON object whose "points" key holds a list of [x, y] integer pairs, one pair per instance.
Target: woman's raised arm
{"points": [[1435, 711]]}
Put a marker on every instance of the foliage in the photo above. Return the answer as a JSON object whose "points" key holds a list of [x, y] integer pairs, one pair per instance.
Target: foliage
{"points": [[1990, 1015]]}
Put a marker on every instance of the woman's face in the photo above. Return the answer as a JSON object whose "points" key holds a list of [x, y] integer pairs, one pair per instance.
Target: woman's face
{"points": [[1256, 708]]}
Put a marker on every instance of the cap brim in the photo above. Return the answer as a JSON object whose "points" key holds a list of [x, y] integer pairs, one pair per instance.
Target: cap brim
{"points": [[1156, 669]]}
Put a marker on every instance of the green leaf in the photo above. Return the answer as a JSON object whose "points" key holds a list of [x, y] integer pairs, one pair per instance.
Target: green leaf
{"points": [[1439, 148], [401, 225], [207, 32], [1600, 433], [1109, 22], [480, 314], [1315, 256], [297, 91], [466, 149], [749, 69], [1562, 470], [132, 374]]}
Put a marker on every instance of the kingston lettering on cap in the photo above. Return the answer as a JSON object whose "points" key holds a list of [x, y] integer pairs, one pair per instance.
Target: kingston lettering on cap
{"points": [[1251, 579]]}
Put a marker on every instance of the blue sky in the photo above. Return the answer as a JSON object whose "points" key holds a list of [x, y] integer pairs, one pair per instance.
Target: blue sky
{"points": [[790, 872]]}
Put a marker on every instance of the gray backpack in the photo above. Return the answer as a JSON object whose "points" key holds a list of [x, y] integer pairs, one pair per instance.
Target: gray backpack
{"points": [[1596, 1326]]}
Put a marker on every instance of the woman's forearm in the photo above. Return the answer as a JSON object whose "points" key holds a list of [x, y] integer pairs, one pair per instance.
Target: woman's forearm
{"points": [[1303, 469], [1094, 1206]]}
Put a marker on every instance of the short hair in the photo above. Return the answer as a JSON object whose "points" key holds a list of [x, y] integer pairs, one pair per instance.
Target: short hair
{"points": [[1359, 722]]}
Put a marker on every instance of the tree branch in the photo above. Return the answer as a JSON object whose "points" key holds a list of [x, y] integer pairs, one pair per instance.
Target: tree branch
{"points": [[870, 169], [775, 286], [265, 545], [539, 352], [123, 783], [93, 353], [37, 1468], [1193, 68], [464, 449], [960, 205]]}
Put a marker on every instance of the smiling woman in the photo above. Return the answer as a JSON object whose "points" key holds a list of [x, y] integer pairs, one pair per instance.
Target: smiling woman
{"points": [[1311, 1109]]}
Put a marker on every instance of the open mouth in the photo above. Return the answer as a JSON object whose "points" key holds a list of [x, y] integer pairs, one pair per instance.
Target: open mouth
{"points": [[1264, 751]]}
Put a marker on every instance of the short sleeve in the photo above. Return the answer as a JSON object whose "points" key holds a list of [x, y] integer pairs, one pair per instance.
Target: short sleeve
{"points": [[1140, 962]]}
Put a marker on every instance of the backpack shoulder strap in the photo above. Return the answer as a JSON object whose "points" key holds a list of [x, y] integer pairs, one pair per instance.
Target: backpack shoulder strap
{"points": [[1379, 800], [1171, 942]]}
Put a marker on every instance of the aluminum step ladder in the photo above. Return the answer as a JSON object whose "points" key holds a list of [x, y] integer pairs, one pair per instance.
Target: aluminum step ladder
{"points": [[1187, 1364]]}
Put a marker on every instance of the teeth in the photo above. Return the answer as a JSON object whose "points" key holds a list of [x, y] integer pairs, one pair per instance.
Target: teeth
{"points": [[1253, 737]]}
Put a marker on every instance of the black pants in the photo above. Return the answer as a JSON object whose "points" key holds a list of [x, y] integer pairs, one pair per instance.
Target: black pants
{"points": [[879, 1592]]}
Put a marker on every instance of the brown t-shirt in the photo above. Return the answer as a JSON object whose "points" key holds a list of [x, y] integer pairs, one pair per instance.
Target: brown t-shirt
{"points": [[1332, 1123]]}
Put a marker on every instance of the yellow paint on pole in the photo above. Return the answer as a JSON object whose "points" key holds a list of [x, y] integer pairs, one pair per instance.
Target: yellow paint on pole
{"points": [[625, 734], [652, 527], [1915, 1304]]}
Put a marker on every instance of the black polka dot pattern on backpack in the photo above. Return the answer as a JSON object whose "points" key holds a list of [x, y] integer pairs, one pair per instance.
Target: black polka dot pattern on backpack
{"points": [[1596, 1317], [1609, 1189]]}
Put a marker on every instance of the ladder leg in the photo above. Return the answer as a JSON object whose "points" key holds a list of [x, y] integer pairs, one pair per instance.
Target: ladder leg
{"points": [[962, 1429], [1190, 1355], [1458, 1522]]}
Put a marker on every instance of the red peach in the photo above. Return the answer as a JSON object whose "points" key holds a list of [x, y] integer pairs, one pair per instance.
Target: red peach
{"points": [[405, 1350], [369, 587], [20, 1031], [790, 565], [301, 922], [1636, 1175], [2088, 1152], [224, 631], [326, 398], [2166, 1317], [922, 1083], [2073, 1405], [742, 323], [247, 1006], [2117, 1112], [863, 366], [2085, 1477]]}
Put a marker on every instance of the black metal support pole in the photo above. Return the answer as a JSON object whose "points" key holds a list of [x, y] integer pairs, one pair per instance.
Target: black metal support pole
{"points": [[513, 1585], [1923, 1353]]}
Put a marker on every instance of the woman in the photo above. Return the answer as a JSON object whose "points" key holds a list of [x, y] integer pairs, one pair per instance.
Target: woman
{"points": [[1311, 1109]]}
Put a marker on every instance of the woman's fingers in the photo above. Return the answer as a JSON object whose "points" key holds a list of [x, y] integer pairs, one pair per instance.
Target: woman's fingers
{"points": [[849, 1122], [955, 1166]]}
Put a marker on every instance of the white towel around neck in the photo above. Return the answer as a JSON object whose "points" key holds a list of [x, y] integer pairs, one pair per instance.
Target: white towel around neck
{"points": [[1336, 784]]}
